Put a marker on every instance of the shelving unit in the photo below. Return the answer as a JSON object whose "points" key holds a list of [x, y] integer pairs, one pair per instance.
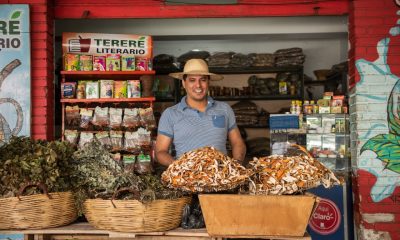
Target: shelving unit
{"points": [[247, 70], [71, 76], [109, 100], [80, 75]]}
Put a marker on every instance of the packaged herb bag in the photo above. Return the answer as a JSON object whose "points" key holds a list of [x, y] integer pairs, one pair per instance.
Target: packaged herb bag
{"points": [[86, 117], [143, 164], [131, 118], [101, 118], [115, 118]]}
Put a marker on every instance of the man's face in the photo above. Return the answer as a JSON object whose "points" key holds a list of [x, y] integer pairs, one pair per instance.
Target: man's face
{"points": [[196, 86]]}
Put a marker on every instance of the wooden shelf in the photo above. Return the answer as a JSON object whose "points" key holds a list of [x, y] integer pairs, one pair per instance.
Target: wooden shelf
{"points": [[314, 83], [109, 100], [243, 70], [78, 75], [257, 97], [250, 70]]}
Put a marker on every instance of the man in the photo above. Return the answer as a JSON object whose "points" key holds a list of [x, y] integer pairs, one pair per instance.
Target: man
{"points": [[198, 120]]}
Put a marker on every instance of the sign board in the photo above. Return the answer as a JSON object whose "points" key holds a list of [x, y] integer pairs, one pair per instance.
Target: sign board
{"points": [[333, 217], [101, 44], [326, 217], [15, 71]]}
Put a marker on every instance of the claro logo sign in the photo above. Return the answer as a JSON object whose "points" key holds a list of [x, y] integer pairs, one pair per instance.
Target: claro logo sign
{"points": [[10, 32], [326, 218]]}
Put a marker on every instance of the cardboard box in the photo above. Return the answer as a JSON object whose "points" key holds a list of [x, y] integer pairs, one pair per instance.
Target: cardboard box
{"points": [[248, 215]]}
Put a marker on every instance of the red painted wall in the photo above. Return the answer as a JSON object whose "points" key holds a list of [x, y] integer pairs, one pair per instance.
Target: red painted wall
{"points": [[369, 22], [42, 87]]}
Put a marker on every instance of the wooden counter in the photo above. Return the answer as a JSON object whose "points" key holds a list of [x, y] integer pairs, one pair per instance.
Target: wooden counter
{"points": [[84, 231]]}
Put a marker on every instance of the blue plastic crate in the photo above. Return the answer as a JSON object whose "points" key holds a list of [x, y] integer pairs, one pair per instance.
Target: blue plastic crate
{"points": [[283, 121]]}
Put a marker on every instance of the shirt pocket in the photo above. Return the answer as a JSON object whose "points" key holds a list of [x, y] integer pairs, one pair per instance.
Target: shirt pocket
{"points": [[218, 121]]}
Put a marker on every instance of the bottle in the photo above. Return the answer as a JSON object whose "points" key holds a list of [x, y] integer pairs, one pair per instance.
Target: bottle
{"points": [[283, 87], [293, 107], [315, 108], [292, 89], [305, 107], [298, 107]]}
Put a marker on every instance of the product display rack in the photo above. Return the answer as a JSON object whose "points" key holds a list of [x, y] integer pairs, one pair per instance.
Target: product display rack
{"points": [[73, 76], [328, 139], [250, 70]]}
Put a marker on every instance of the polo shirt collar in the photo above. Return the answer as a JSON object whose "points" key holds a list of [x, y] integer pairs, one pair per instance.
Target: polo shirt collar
{"points": [[183, 105]]}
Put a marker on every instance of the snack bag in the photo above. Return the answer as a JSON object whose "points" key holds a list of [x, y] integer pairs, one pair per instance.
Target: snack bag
{"points": [[134, 89], [84, 138], [131, 118], [71, 62], [92, 90], [101, 117], [106, 88], [104, 138], [143, 164], [81, 90], [144, 137], [68, 89], [116, 140], [99, 63], [115, 118], [128, 62], [129, 162], [71, 136], [131, 143], [86, 117], [147, 118], [113, 62], [72, 116], [120, 89], [142, 64], [86, 62]]}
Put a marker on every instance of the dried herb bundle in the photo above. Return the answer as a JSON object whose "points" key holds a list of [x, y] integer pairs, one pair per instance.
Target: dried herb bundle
{"points": [[23, 159], [98, 174]]}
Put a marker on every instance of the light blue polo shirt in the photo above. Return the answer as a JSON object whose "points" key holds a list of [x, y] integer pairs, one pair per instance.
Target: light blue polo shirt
{"points": [[191, 129]]}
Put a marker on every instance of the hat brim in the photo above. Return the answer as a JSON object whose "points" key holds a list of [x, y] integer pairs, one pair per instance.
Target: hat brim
{"points": [[213, 77]]}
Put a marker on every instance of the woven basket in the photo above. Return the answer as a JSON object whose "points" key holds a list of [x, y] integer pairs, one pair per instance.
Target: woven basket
{"points": [[37, 211], [134, 216]]}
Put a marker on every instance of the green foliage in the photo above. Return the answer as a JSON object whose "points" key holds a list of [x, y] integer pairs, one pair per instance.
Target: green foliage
{"points": [[25, 160]]}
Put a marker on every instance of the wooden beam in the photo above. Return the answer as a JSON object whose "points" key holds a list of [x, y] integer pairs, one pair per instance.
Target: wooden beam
{"points": [[72, 9]]}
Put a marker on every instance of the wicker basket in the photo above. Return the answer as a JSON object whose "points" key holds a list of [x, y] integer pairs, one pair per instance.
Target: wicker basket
{"points": [[134, 216], [37, 211]]}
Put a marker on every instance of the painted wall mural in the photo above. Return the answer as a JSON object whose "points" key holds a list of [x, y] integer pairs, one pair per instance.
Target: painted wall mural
{"points": [[380, 151], [15, 75]]}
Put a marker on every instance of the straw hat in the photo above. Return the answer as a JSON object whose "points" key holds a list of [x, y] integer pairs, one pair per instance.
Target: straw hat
{"points": [[196, 67]]}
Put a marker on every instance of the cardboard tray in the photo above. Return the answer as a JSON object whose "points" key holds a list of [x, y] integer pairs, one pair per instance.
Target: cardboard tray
{"points": [[249, 215]]}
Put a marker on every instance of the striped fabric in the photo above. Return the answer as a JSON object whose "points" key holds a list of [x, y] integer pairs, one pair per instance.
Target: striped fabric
{"points": [[191, 129]]}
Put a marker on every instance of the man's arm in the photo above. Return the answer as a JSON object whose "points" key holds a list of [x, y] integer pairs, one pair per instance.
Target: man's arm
{"points": [[238, 146], [162, 147]]}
